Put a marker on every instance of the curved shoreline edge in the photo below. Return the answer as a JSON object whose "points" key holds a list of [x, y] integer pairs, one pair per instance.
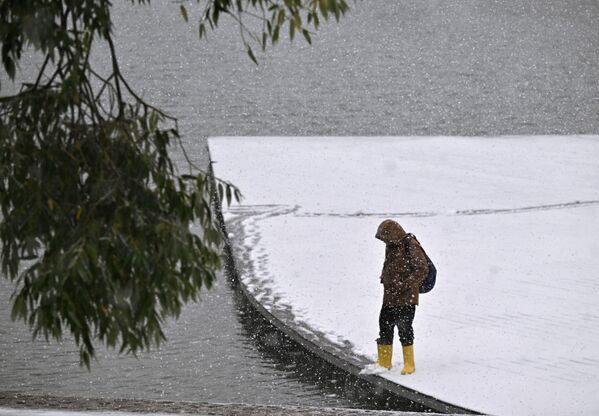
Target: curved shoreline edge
{"points": [[328, 353]]}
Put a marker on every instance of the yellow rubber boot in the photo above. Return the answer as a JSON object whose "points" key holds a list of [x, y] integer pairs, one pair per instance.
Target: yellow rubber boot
{"points": [[408, 360], [385, 355]]}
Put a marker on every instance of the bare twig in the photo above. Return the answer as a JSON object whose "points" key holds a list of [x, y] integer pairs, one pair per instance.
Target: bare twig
{"points": [[116, 70], [39, 77]]}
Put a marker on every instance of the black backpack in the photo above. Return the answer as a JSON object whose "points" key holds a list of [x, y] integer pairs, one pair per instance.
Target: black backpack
{"points": [[429, 281]]}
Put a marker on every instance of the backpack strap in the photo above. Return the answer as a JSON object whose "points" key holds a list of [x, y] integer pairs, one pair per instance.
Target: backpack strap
{"points": [[408, 237]]}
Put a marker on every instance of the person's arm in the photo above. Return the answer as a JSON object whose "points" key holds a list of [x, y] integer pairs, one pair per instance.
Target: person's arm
{"points": [[384, 264], [392, 276]]}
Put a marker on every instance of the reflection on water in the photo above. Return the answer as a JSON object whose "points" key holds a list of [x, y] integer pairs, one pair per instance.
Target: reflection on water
{"points": [[210, 356]]}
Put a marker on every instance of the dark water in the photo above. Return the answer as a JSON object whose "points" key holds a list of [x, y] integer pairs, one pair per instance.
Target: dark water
{"points": [[215, 353], [390, 68]]}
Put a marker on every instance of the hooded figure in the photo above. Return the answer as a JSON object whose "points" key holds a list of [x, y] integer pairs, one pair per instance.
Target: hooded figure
{"points": [[405, 266], [404, 270]]}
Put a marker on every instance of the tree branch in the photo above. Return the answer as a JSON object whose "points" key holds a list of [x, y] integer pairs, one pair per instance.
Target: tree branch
{"points": [[116, 71]]}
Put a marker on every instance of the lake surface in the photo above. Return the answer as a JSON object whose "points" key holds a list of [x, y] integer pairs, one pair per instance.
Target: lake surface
{"points": [[389, 68]]}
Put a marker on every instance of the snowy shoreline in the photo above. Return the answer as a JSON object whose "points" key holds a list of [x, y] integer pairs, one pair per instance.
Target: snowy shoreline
{"points": [[510, 328]]}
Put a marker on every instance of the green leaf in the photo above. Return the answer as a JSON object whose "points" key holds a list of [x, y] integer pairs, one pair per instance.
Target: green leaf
{"points": [[324, 8], [307, 36], [184, 13], [281, 18], [19, 308], [229, 196], [251, 55], [221, 193], [9, 66], [291, 29]]}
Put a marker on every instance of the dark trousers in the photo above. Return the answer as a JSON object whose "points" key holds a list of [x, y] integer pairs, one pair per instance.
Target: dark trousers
{"points": [[400, 316]]}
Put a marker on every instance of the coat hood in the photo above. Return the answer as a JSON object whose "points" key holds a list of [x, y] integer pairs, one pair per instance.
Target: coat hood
{"points": [[390, 232]]}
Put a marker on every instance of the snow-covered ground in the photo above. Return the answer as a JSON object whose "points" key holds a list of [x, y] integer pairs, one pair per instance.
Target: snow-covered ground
{"points": [[512, 224]]}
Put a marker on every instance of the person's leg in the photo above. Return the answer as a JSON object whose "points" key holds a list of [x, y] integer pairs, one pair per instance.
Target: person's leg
{"points": [[385, 340], [404, 321], [387, 321], [406, 337]]}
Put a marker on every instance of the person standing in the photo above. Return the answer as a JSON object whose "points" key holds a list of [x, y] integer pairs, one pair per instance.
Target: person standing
{"points": [[404, 270]]}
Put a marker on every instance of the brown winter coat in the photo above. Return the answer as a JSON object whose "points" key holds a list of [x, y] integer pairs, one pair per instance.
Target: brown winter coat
{"points": [[405, 265]]}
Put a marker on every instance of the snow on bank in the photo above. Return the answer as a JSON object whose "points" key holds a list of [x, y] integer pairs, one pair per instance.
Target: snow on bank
{"points": [[511, 223]]}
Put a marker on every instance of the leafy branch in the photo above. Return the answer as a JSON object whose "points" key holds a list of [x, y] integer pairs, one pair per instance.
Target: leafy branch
{"points": [[94, 215]]}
